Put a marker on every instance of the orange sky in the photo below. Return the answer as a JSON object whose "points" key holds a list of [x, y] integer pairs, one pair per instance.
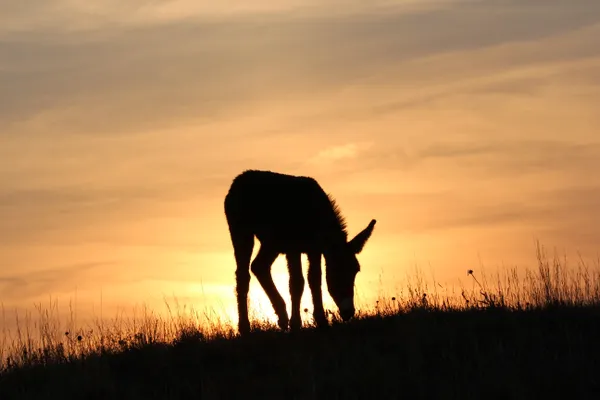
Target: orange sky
{"points": [[468, 129]]}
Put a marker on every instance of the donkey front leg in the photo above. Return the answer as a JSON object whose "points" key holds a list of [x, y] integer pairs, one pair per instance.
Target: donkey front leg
{"points": [[243, 244], [314, 282], [261, 267], [296, 288]]}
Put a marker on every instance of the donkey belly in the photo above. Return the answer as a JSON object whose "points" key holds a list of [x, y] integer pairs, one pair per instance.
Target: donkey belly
{"points": [[285, 240]]}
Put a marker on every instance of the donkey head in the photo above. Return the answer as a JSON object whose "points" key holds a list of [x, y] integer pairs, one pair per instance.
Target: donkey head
{"points": [[342, 267]]}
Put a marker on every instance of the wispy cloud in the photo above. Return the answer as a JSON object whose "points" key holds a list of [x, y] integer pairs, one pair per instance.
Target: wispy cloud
{"points": [[23, 285], [160, 75], [340, 153]]}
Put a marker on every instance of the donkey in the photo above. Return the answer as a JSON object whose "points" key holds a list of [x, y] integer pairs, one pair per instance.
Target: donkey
{"points": [[291, 215]]}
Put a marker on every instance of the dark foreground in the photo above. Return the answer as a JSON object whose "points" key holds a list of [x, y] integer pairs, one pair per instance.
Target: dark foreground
{"points": [[476, 354]]}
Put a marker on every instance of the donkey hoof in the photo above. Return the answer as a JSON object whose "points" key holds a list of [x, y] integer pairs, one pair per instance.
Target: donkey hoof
{"points": [[244, 328], [283, 323], [295, 324], [321, 321]]}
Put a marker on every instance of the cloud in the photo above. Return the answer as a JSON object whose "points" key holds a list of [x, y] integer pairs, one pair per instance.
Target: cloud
{"points": [[81, 15], [556, 212], [330, 155], [20, 286], [506, 159], [484, 158], [135, 79], [45, 215], [529, 185]]}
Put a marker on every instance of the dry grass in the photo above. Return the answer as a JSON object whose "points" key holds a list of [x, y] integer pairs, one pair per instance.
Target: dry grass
{"points": [[47, 341], [524, 305]]}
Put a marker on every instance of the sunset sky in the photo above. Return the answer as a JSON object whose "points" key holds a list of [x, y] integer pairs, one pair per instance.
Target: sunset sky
{"points": [[468, 129]]}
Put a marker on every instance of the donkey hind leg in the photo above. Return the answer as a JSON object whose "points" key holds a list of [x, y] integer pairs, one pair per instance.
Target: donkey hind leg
{"points": [[314, 282], [261, 267], [296, 288], [243, 244]]}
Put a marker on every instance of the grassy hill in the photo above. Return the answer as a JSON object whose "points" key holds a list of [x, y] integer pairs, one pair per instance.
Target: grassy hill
{"points": [[495, 345]]}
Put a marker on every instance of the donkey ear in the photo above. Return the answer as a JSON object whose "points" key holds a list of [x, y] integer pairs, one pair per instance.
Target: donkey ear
{"points": [[357, 244]]}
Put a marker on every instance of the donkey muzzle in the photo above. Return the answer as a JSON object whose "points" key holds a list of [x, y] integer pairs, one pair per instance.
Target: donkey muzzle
{"points": [[347, 309]]}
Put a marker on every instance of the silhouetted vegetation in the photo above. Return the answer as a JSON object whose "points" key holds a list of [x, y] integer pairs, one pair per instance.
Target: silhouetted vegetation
{"points": [[530, 337]]}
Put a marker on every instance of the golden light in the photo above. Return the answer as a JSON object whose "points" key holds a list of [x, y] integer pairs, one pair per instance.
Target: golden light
{"points": [[260, 306]]}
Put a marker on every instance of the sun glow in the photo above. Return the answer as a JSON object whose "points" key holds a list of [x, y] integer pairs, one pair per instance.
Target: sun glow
{"points": [[260, 306]]}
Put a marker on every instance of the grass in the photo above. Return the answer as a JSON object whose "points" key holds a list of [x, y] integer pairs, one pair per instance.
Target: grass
{"points": [[535, 335]]}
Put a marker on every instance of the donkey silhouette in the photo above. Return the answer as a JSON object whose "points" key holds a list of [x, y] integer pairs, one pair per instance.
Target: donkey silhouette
{"points": [[291, 215]]}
